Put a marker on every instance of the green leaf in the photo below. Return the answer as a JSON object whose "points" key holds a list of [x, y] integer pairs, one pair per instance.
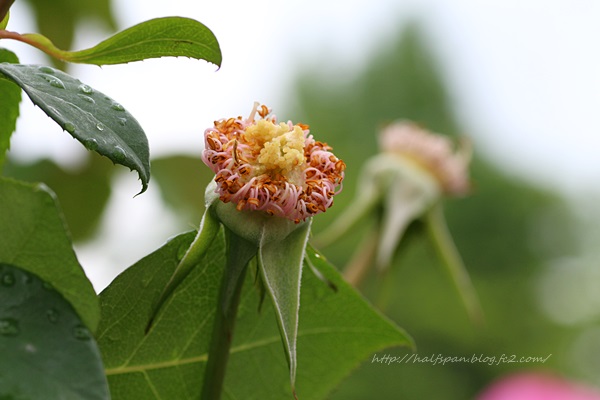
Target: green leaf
{"points": [[35, 238], [337, 330], [94, 119], [47, 352], [10, 97], [280, 264], [160, 37]]}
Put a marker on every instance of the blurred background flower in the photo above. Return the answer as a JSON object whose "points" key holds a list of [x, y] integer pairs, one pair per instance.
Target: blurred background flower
{"points": [[521, 79], [537, 386]]}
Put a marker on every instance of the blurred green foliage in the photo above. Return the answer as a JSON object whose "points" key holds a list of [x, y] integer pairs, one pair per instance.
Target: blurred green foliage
{"points": [[82, 192], [58, 19], [493, 229]]}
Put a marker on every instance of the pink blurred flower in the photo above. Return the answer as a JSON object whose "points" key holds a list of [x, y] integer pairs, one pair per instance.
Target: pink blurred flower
{"points": [[538, 386], [434, 153]]}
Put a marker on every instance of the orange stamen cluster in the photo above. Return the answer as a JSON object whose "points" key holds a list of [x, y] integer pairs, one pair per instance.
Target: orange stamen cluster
{"points": [[279, 169]]}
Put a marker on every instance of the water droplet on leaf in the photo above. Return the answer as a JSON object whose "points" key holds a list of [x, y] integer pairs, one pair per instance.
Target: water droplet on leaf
{"points": [[53, 81], [86, 98], [46, 70], [57, 83], [91, 144], [52, 315], [122, 121], [8, 279], [119, 154], [54, 110], [100, 126], [47, 286], [81, 333], [27, 278], [117, 107], [30, 348], [69, 127], [85, 89], [9, 327]]}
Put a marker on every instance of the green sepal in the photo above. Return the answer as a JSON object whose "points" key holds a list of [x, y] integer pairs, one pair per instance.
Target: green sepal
{"points": [[280, 264]]}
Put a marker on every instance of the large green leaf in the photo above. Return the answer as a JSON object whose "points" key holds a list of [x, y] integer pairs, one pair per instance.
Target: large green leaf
{"points": [[160, 37], [35, 238], [47, 352], [10, 97], [97, 121], [337, 330]]}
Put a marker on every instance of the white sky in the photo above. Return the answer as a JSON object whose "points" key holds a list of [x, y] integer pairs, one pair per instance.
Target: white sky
{"points": [[524, 76]]}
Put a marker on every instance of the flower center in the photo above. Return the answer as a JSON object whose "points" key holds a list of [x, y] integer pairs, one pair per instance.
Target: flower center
{"points": [[278, 149]]}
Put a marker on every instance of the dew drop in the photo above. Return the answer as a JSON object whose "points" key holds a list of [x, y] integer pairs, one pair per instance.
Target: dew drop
{"points": [[46, 70], [122, 121], [53, 81], [47, 286], [53, 110], [8, 279], [91, 144], [30, 348], [86, 98], [81, 333], [117, 107], [9, 327], [100, 126], [52, 315], [27, 278], [69, 127], [119, 154], [85, 89]]}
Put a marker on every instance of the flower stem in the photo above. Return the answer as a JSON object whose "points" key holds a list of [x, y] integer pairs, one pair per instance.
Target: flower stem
{"points": [[356, 270], [239, 253], [442, 239]]}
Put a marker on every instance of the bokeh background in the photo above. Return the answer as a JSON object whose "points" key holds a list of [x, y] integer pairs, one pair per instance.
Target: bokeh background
{"points": [[520, 79]]}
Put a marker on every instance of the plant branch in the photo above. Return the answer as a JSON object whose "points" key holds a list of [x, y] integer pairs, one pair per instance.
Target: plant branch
{"points": [[442, 239]]}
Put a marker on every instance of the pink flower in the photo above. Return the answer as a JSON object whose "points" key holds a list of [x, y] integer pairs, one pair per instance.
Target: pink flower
{"points": [[433, 153], [278, 168], [537, 386]]}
